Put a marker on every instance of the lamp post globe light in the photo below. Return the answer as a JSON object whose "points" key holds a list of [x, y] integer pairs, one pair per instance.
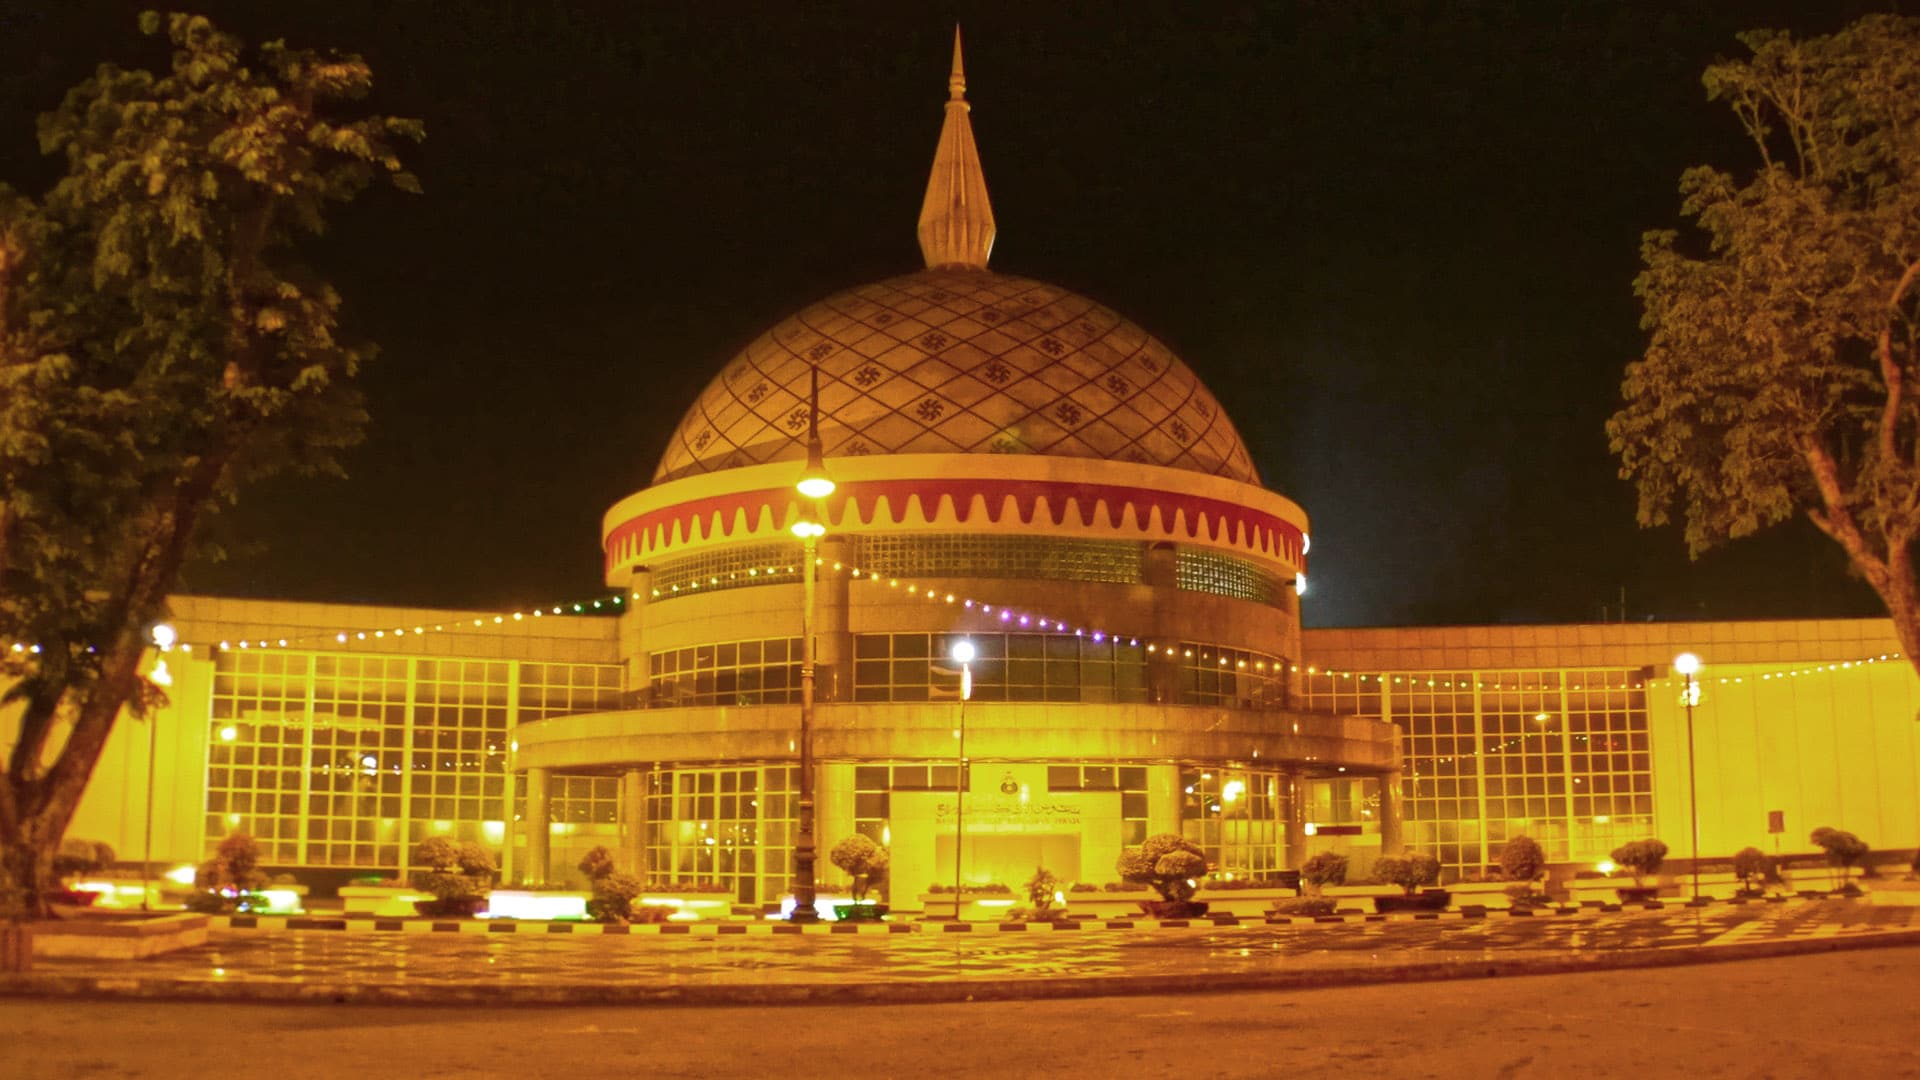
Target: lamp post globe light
{"points": [[1688, 665], [814, 485]]}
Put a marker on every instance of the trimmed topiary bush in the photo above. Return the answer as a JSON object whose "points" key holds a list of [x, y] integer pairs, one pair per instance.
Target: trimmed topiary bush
{"points": [[1167, 863], [863, 860], [1523, 860], [1324, 869], [1411, 870], [76, 857], [1754, 868], [229, 880], [1844, 850], [613, 892], [457, 876], [1641, 857]]}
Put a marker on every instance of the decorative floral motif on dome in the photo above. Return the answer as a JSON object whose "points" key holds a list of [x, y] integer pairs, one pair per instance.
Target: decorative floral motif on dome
{"points": [[959, 361]]}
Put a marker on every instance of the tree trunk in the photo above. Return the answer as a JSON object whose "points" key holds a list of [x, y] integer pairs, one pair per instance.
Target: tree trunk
{"points": [[26, 869]]}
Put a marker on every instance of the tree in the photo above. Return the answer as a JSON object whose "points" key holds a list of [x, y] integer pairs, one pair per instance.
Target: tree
{"points": [[1780, 373], [1844, 850], [160, 349], [1641, 857], [864, 861], [1167, 862], [1523, 860], [1412, 870]]}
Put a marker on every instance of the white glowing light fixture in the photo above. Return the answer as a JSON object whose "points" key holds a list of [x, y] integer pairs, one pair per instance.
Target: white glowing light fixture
{"points": [[229, 733], [180, 875], [1306, 543], [160, 676], [962, 652], [808, 530], [164, 636], [1606, 866], [1686, 664], [1310, 828], [815, 483], [1232, 790], [1300, 584]]}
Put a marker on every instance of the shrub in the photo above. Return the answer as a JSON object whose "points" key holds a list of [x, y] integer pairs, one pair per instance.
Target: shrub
{"points": [[612, 899], [228, 881], [1641, 857], [1522, 859], [1302, 905], [992, 888], [1041, 888], [75, 857], [1754, 868], [1324, 869], [452, 872], [649, 913], [1168, 863], [863, 860], [1083, 887], [1410, 870], [1843, 849], [597, 864]]}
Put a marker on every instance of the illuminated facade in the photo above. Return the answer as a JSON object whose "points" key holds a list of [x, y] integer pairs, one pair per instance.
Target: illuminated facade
{"points": [[1023, 469]]}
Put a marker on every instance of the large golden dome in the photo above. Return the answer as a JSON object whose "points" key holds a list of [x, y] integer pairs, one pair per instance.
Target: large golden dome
{"points": [[956, 359], [959, 361]]}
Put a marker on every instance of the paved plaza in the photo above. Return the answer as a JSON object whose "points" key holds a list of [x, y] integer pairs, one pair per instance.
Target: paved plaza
{"points": [[563, 968]]}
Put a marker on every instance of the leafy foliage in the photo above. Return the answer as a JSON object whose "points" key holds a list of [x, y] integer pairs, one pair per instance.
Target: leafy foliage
{"points": [[226, 881], [613, 896], [1641, 857], [160, 349], [1522, 859], [1412, 870], [863, 860], [1843, 849], [597, 863], [77, 856], [1324, 869], [1168, 863], [1041, 888], [1302, 906], [452, 872], [1754, 868], [1784, 344]]}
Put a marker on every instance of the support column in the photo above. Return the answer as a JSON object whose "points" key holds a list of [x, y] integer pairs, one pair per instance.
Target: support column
{"points": [[633, 642], [1158, 571], [1295, 790], [1391, 841], [833, 634], [1163, 799], [539, 824], [633, 805]]}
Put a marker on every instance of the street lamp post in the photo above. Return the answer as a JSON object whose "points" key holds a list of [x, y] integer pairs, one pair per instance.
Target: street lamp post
{"points": [[1688, 665], [163, 636], [814, 485], [962, 653]]}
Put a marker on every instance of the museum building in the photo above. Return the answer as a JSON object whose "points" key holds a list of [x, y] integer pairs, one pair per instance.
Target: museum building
{"points": [[1046, 609]]}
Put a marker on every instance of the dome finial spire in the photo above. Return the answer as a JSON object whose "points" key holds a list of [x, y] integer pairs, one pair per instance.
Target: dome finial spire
{"points": [[957, 81], [956, 220]]}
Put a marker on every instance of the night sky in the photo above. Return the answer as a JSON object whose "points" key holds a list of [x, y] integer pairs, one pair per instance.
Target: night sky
{"points": [[1396, 238]]}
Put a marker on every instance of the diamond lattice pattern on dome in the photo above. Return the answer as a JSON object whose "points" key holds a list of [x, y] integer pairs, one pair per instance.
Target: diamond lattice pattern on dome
{"points": [[959, 361]]}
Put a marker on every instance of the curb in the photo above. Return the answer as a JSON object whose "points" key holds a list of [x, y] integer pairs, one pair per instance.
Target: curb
{"points": [[927, 992], [369, 924]]}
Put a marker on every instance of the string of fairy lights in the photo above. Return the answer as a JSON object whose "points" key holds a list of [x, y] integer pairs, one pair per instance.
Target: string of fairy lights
{"points": [[1004, 617]]}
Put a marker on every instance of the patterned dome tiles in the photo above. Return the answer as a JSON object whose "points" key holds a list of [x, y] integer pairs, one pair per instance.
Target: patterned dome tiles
{"points": [[959, 361]]}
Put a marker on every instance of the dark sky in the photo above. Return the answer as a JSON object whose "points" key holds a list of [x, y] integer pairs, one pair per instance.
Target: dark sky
{"points": [[1397, 239]]}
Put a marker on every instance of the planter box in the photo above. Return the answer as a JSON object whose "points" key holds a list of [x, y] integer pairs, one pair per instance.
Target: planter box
{"points": [[1245, 903], [118, 937], [388, 901]]}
